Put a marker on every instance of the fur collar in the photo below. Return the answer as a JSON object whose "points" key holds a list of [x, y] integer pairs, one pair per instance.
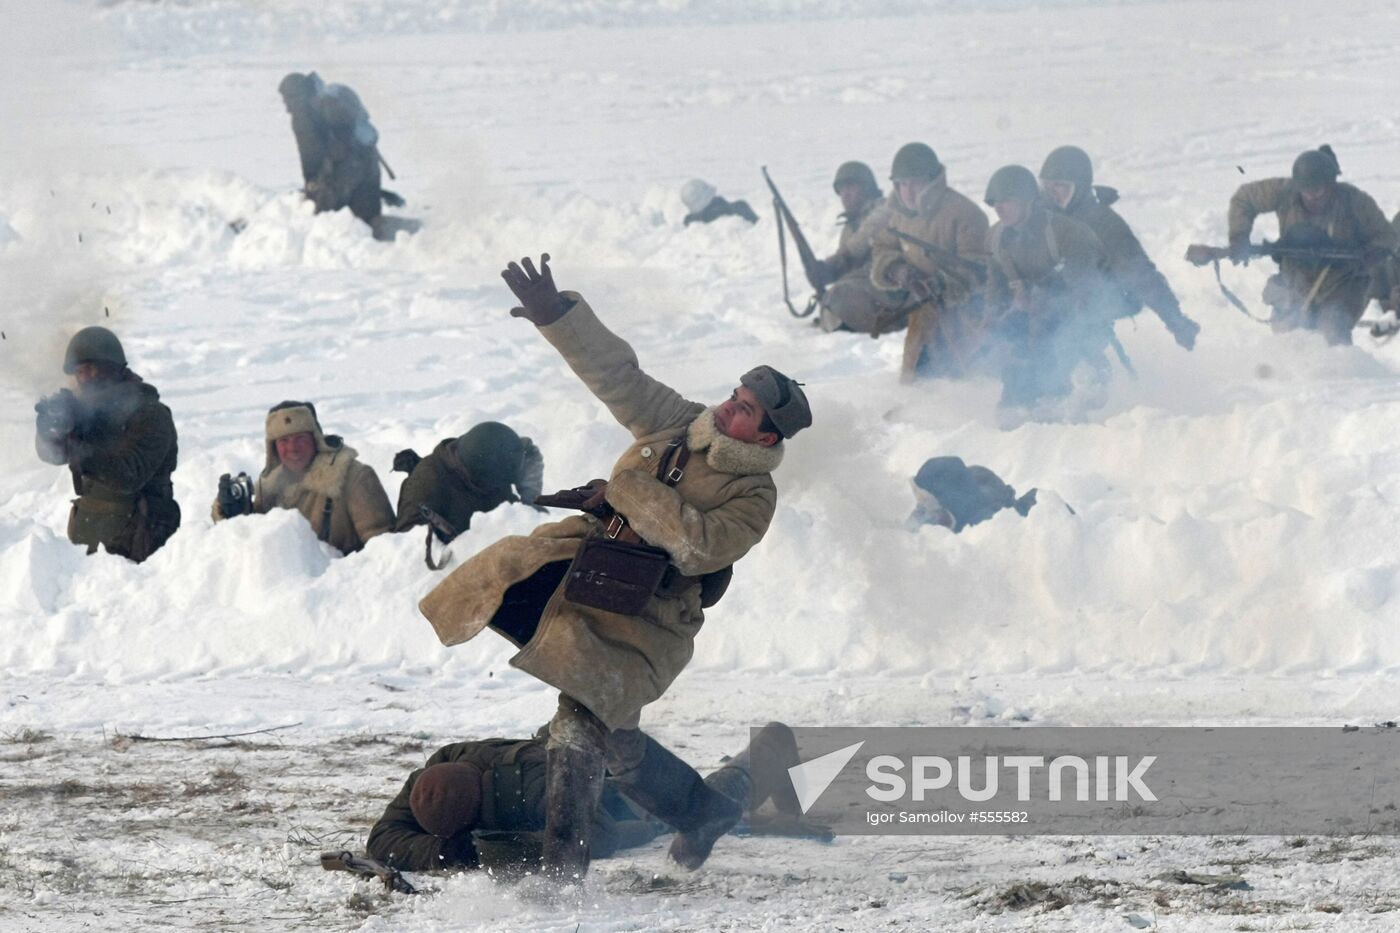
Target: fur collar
{"points": [[727, 455], [325, 476]]}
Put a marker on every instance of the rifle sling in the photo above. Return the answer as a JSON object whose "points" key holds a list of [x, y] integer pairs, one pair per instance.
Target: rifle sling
{"points": [[1234, 299], [782, 260]]}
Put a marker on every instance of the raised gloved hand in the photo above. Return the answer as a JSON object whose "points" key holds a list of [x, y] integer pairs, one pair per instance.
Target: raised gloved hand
{"points": [[540, 301]]}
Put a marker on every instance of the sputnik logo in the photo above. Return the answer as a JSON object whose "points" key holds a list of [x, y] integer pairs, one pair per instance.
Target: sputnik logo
{"points": [[811, 778]]}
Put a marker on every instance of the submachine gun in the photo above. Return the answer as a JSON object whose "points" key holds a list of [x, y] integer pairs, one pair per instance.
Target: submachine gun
{"points": [[1313, 249]]}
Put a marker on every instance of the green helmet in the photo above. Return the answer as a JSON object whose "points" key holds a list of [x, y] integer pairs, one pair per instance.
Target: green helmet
{"points": [[1316, 167], [93, 345], [491, 453], [915, 160], [860, 174], [1069, 163], [1012, 183]]}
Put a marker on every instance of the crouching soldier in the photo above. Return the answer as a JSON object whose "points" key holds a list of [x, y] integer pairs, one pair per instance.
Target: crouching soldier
{"points": [[1067, 178], [482, 804], [118, 440], [319, 476], [465, 475], [606, 610], [1047, 297], [1319, 215], [932, 254], [851, 301]]}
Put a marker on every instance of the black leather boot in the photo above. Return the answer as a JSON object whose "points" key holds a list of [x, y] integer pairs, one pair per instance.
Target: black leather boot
{"points": [[672, 791]]}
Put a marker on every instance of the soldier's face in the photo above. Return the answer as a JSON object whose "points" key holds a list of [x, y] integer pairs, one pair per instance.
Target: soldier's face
{"points": [[909, 190], [852, 194], [296, 451], [1059, 193], [1012, 211], [1316, 199], [742, 418], [87, 373]]}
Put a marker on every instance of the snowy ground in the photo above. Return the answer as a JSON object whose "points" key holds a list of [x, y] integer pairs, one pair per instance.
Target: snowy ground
{"points": [[1230, 560]]}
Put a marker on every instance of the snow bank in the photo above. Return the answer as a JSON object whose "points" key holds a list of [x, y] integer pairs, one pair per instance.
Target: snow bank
{"points": [[1232, 508]]}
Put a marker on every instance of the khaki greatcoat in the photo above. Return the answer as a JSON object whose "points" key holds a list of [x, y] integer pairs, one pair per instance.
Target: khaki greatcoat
{"points": [[615, 664], [951, 222]]}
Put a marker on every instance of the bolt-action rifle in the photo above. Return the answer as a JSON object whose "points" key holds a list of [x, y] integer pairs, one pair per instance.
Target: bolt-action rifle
{"points": [[811, 265]]}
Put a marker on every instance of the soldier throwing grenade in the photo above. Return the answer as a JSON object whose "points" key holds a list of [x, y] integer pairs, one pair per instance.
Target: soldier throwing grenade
{"points": [[694, 486]]}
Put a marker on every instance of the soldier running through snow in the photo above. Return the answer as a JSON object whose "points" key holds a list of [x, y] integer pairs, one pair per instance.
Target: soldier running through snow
{"points": [[119, 443], [339, 150], [1067, 179], [1046, 295], [690, 496], [1315, 211]]}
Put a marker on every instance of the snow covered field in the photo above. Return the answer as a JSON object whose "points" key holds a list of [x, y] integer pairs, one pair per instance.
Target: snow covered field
{"points": [[1229, 561]]}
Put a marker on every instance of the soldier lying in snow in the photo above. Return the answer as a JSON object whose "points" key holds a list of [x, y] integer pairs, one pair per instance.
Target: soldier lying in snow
{"points": [[318, 476], [950, 493], [482, 804], [706, 206]]}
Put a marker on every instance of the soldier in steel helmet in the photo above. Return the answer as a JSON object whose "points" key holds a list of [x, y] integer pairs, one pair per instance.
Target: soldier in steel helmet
{"points": [[1314, 209], [688, 498], [1067, 179], [940, 281], [485, 467], [118, 441], [850, 301], [1046, 293]]}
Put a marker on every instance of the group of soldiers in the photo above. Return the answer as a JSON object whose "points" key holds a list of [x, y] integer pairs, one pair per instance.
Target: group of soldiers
{"points": [[1035, 294], [604, 606], [119, 442]]}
